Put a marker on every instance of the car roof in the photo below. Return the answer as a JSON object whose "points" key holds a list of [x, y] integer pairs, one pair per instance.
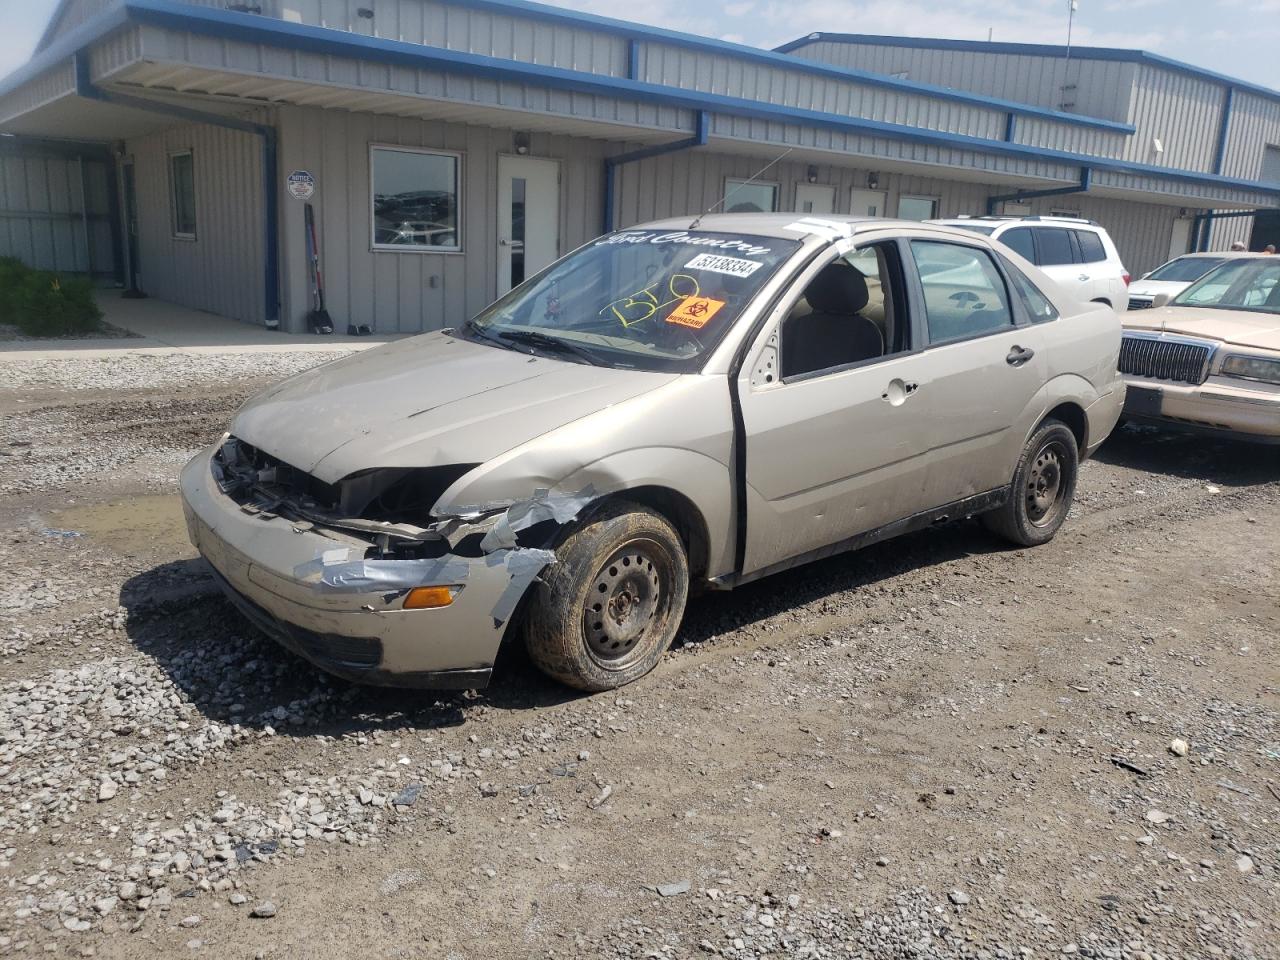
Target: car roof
{"points": [[792, 226]]}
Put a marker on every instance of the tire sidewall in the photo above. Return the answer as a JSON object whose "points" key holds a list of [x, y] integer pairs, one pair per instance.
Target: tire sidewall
{"points": [[1029, 532], [554, 633]]}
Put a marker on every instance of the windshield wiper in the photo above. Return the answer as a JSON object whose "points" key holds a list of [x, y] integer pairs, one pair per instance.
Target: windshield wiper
{"points": [[536, 339], [485, 335]]}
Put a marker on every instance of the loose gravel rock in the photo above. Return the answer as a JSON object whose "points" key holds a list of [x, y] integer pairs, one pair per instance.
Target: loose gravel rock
{"points": [[934, 748]]}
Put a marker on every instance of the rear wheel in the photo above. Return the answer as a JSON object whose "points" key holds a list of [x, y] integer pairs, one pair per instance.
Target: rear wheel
{"points": [[1044, 485], [610, 606]]}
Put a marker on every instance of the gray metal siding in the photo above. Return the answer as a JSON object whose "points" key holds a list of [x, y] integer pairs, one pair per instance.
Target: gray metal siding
{"points": [[1101, 87], [724, 75], [163, 45], [1255, 125], [222, 269], [1182, 111], [43, 202], [412, 291], [474, 31], [690, 182]]}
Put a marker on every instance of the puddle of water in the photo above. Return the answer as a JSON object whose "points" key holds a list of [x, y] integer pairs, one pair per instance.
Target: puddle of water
{"points": [[151, 525]]}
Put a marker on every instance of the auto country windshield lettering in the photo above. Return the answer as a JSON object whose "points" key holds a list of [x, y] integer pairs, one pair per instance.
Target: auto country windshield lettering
{"points": [[638, 299], [737, 244]]}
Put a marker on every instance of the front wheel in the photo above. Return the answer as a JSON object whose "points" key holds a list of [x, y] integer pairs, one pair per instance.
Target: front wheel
{"points": [[1044, 485], [610, 606]]}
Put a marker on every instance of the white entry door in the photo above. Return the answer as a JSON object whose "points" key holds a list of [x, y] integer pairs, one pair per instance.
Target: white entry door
{"points": [[528, 218], [866, 203], [1180, 239], [815, 198]]}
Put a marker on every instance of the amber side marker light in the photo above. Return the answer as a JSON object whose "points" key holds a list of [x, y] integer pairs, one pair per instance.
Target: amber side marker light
{"points": [[430, 598]]}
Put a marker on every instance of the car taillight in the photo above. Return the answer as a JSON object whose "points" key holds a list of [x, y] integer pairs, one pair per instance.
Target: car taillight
{"points": [[1125, 278]]}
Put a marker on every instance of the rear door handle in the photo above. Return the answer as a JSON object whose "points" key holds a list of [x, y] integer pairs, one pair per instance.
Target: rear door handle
{"points": [[1084, 276], [1019, 355]]}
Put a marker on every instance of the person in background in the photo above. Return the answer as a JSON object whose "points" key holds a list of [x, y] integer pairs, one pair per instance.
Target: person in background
{"points": [[1269, 248], [1238, 246]]}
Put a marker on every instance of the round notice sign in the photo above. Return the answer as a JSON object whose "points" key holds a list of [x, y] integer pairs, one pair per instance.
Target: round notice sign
{"points": [[301, 185]]}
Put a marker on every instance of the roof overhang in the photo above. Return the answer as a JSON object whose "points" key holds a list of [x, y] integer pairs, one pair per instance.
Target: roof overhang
{"points": [[157, 68]]}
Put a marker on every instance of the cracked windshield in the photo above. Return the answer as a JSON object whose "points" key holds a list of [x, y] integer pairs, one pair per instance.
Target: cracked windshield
{"points": [[640, 299]]}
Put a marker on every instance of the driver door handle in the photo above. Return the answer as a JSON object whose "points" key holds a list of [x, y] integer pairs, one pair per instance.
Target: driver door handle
{"points": [[1019, 355], [1084, 276]]}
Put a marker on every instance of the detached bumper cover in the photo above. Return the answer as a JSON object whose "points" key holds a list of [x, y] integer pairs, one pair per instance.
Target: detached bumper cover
{"points": [[304, 590]]}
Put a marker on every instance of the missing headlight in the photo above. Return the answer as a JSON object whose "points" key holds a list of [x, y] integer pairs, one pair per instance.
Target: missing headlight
{"points": [[398, 495]]}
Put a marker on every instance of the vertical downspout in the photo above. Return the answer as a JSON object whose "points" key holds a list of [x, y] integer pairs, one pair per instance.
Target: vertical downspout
{"points": [[84, 218], [611, 164], [118, 239]]}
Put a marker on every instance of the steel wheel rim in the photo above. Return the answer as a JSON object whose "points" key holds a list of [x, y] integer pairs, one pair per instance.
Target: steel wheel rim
{"points": [[626, 603], [1046, 482]]}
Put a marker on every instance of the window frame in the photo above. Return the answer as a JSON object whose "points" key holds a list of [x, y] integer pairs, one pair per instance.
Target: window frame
{"points": [[1017, 314], [1011, 273], [905, 311], [458, 247], [174, 232], [748, 181]]}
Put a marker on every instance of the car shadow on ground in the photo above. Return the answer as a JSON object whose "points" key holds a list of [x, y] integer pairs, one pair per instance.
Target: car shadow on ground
{"points": [[1223, 462], [234, 674]]}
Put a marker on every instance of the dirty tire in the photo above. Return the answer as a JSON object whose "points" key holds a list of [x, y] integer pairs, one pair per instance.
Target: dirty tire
{"points": [[1044, 484], [607, 610]]}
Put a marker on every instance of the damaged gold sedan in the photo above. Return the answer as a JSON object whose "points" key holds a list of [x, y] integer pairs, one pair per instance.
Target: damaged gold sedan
{"points": [[681, 404]]}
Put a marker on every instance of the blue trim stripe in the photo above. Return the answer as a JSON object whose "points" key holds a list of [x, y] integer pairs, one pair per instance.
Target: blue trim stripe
{"points": [[1034, 50], [248, 28]]}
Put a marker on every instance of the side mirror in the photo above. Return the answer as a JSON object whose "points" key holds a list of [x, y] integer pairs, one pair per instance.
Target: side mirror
{"points": [[1160, 299]]}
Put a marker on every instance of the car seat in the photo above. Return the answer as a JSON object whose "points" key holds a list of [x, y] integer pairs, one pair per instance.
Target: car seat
{"points": [[835, 333]]}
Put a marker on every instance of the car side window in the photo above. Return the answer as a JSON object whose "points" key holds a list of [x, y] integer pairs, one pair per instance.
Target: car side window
{"points": [[1039, 308], [1020, 241], [1055, 246], [964, 294], [1091, 248], [850, 312]]}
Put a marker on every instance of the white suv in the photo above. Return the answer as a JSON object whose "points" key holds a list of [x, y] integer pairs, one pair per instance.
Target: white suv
{"points": [[1077, 253]]}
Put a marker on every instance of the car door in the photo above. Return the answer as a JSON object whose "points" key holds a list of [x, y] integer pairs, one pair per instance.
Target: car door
{"points": [[980, 370], [836, 451], [1056, 255]]}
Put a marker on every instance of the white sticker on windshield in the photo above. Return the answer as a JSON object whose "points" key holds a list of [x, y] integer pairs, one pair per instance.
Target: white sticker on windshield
{"points": [[727, 265]]}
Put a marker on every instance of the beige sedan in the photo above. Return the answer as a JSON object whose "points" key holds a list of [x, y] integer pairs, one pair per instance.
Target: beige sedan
{"points": [[1208, 360], [697, 402]]}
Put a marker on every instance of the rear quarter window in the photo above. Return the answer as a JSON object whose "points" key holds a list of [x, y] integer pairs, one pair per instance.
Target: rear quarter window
{"points": [[1091, 248]]}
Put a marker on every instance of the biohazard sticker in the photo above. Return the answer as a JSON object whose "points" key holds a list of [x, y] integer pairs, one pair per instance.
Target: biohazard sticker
{"points": [[695, 312]]}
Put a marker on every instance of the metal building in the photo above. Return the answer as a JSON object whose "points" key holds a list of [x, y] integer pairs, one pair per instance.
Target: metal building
{"points": [[448, 148]]}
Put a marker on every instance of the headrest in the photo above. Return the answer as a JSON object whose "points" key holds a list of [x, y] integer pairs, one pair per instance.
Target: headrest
{"points": [[839, 288]]}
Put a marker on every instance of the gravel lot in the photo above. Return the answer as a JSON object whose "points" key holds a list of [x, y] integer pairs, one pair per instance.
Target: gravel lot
{"points": [[936, 747]]}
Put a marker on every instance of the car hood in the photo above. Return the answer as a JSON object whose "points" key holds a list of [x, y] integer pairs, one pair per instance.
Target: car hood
{"points": [[1149, 288], [1241, 327], [433, 400]]}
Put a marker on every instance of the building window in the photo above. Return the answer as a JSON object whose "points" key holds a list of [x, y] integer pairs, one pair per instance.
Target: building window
{"points": [[415, 199], [741, 196], [182, 195], [917, 208]]}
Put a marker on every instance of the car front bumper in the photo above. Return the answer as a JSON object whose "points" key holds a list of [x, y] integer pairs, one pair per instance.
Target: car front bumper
{"points": [[1221, 406], [272, 570]]}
